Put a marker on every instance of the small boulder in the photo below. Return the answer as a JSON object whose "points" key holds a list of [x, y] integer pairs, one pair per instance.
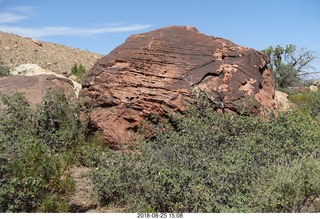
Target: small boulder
{"points": [[283, 101], [33, 70], [314, 86], [35, 87]]}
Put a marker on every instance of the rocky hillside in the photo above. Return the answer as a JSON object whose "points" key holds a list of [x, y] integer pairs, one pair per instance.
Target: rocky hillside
{"points": [[16, 50]]}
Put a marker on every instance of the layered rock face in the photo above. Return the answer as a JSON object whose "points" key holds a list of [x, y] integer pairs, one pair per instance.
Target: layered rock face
{"points": [[154, 71]]}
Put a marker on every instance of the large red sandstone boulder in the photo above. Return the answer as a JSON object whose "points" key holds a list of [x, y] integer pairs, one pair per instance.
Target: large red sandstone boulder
{"points": [[159, 69], [34, 87]]}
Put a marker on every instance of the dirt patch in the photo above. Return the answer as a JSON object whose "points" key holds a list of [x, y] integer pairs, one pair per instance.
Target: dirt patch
{"points": [[84, 198]]}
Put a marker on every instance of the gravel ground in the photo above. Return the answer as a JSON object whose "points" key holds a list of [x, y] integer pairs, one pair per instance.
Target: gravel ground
{"points": [[16, 50]]}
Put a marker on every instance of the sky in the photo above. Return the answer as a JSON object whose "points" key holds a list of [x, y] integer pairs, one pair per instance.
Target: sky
{"points": [[101, 25]]}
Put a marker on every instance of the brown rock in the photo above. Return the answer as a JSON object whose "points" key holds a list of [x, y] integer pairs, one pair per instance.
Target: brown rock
{"points": [[159, 69], [34, 87]]}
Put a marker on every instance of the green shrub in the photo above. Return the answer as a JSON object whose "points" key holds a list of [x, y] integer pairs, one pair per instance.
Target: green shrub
{"points": [[37, 150], [78, 71], [292, 187], [208, 162], [57, 121], [308, 103], [33, 176], [91, 152], [4, 70]]}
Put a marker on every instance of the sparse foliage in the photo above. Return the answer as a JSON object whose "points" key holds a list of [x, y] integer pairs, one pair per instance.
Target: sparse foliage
{"points": [[289, 64], [78, 71], [308, 103], [4, 70], [289, 187]]}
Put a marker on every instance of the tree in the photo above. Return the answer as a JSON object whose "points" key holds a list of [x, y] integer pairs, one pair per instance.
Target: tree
{"points": [[288, 65]]}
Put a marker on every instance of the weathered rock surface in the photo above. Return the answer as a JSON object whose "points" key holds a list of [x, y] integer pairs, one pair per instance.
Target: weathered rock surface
{"points": [[33, 70], [314, 86], [283, 102], [159, 69], [35, 87]]}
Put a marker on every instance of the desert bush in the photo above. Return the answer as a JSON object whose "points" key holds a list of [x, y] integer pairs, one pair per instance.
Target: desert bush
{"points": [[37, 150], [308, 103], [4, 70], [33, 176], [57, 121], [292, 187], [78, 71], [210, 162]]}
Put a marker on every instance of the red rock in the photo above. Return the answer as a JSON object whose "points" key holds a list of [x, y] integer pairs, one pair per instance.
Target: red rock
{"points": [[159, 69], [34, 87]]}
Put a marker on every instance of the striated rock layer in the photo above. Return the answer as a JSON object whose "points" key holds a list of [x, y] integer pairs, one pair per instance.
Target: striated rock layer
{"points": [[159, 69]]}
